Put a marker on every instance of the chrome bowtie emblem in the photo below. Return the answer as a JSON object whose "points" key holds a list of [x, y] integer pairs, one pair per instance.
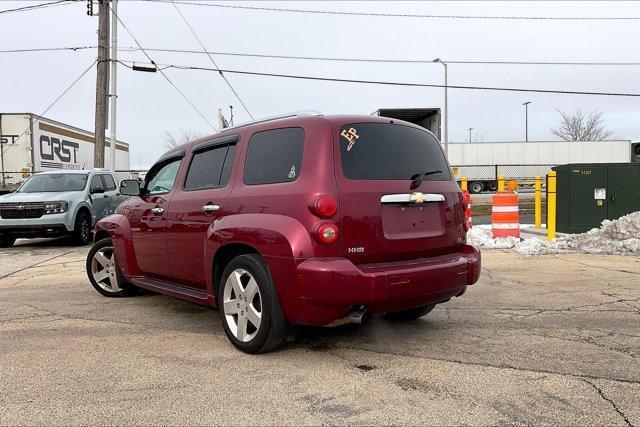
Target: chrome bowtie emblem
{"points": [[20, 207], [417, 197]]}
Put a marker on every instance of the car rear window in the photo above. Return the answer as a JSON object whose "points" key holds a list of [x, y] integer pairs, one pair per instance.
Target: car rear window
{"points": [[274, 156], [371, 151]]}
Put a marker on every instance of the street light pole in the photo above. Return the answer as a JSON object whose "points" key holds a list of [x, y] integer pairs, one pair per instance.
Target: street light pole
{"points": [[470, 129], [526, 120], [446, 109]]}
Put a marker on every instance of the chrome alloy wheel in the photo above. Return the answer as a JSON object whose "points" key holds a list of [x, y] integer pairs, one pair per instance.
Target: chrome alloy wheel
{"points": [[242, 305], [103, 269]]}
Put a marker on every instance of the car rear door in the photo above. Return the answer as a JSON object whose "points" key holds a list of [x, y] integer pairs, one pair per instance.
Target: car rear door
{"points": [[201, 200], [99, 198], [111, 193], [397, 197]]}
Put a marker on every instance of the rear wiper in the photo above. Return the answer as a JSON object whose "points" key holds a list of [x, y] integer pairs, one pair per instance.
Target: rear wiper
{"points": [[416, 179]]}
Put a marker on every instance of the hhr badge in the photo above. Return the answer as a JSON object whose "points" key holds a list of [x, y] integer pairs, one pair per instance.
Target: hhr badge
{"points": [[358, 250]]}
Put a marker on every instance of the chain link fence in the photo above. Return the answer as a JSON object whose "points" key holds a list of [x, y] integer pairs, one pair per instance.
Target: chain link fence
{"points": [[482, 181], [9, 181], [484, 178]]}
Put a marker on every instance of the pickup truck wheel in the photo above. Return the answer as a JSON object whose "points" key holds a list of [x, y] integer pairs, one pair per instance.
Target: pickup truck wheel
{"points": [[476, 187], [411, 314], [7, 241], [82, 229], [104, 273], [249, 307]]}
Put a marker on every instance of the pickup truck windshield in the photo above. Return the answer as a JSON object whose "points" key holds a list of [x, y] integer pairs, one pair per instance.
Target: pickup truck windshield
{"points": [[53, 183], [371, 151]]}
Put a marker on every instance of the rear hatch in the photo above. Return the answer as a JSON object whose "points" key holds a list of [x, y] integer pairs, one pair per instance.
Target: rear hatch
{"points": [[398, 200]]}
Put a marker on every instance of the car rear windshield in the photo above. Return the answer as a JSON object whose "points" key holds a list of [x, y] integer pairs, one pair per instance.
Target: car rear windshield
{"points": [[388, 151], [53, 183]]}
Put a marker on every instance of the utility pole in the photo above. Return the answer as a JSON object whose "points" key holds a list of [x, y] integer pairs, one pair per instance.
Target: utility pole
{"points": [[113, 80], [101, 84], [526, 120], [470, 129]]}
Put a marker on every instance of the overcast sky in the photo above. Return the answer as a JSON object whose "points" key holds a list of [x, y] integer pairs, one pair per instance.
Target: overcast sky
{"points": [[148, 106]]}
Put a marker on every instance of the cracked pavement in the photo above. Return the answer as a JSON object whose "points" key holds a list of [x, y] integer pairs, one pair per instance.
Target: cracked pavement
{"points": [[551, 339]]}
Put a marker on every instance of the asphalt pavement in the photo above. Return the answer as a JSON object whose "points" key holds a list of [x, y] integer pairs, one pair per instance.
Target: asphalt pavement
{"points": [[549, 339]]}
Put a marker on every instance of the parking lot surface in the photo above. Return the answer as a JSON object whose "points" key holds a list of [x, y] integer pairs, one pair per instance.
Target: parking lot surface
{"points": [[546, 339]]}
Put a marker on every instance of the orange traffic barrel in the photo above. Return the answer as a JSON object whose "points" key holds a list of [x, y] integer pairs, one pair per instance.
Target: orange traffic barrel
{"points": [[467, 212], [505, 214]]}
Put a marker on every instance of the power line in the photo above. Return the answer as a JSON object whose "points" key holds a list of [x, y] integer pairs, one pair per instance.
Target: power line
{"points": [[212, 61], [404, 15], [48, 49], [388, 83], [36, 6], [54, 102], [332, 59], [160, 70]]}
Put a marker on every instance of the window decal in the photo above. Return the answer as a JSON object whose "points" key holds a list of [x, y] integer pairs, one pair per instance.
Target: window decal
{"points": [[351, 135]]}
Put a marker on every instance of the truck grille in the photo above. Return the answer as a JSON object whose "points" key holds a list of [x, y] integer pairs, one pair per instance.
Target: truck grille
{"points": [[21, 210]]}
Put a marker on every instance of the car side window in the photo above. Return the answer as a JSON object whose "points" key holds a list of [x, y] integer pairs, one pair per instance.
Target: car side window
{"points": [[161, 178], [96, 184], [109, 183], [274, 156], [210, 168]]}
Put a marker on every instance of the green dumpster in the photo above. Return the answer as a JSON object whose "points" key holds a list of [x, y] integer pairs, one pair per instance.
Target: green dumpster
{"points": [[589, 193]]}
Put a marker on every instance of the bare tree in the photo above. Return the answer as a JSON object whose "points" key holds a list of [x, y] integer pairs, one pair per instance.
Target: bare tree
{"points": [[183, 136], [581, 127]]}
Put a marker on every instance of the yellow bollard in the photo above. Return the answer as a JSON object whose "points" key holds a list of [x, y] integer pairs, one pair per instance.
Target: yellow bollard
{"points": [[500, 183], [463, 183], [538, 202], [551, 206]]}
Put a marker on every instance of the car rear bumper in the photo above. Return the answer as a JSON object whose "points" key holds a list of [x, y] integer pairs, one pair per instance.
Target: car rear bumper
{"points": [[332, 286]]}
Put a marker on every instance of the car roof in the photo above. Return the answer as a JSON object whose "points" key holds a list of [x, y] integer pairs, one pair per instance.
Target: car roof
{"points": [[288, 120]]}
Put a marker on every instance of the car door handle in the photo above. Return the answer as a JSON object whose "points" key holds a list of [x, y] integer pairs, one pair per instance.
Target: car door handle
{"points": [[157, 210], [210, 207]]}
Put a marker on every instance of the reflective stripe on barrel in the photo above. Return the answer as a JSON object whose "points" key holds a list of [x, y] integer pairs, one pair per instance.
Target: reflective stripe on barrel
{"points": [[505, 214]]}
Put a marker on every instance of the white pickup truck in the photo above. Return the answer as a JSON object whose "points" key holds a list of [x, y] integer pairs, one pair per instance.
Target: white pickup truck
{"points": [[51, 204]]}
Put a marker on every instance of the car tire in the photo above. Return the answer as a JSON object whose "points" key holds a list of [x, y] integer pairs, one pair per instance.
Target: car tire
{"points": [[410, 314], [104, 273], [82, 229], [476, 187], [493, 186], [249, 307], [7, 241]]}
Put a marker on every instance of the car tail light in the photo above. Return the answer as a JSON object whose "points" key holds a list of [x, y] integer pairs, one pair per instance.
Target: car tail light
{"points": [[325, 207], [327, 232], [464, 204]]}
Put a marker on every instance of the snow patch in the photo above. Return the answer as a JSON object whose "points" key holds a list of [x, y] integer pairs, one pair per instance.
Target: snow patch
{"points": [[618, 237]]}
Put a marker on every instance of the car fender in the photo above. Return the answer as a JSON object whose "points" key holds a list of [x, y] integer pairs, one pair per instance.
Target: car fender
{"points": [[79, 205], [117, 226], [279, 239]]}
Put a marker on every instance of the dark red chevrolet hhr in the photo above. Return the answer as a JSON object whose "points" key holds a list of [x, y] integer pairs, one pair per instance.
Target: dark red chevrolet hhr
{"points": [[301, 219]]}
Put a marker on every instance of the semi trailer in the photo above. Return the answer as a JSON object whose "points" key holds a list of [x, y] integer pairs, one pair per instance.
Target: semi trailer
{"points": [[30, 143], [482, 162]]}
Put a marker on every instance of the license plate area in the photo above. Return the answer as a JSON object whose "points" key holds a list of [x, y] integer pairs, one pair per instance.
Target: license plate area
{"points": [[411, 221]]}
